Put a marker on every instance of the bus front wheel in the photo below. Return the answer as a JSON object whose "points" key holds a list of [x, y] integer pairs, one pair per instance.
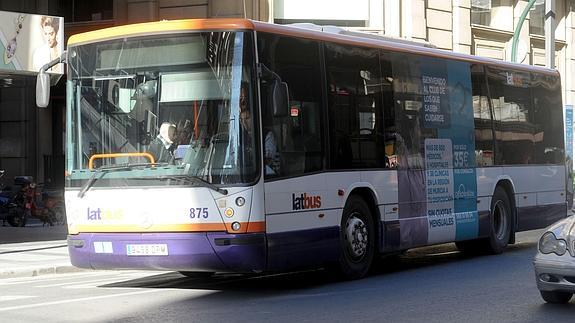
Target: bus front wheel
{"points": [[357, 239]]}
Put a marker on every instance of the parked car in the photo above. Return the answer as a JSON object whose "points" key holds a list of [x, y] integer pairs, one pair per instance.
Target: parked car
{"points": [[555, 262]]}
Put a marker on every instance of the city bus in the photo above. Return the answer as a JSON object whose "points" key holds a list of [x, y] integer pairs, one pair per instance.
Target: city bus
{"points": [[231, 145]]}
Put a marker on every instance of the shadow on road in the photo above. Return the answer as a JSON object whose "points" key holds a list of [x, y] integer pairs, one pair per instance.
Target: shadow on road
{"points": [[271, 284], [406, 283]]}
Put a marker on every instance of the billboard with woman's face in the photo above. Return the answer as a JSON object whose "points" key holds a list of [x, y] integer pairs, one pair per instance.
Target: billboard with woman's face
{"points": [[29, 41]]}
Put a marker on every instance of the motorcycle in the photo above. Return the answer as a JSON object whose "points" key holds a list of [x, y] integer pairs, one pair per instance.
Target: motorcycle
{"points": [[49, 209], [17, 207], [8, 206]]}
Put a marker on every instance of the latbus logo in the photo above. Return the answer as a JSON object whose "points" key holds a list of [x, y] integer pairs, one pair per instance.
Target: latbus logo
{"points": [[104, 214], [305, 202]]}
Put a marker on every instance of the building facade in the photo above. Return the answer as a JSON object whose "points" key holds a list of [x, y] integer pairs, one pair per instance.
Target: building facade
{"points": [[478, 27]]}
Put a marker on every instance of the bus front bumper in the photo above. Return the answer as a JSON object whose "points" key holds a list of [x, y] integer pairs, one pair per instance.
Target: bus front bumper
{"points": [[211, 252]]}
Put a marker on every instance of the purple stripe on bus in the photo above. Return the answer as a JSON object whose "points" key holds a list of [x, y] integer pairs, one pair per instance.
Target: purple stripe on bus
{"points": [[391, 234], [535, 217], [187, 252], [484, 224]]}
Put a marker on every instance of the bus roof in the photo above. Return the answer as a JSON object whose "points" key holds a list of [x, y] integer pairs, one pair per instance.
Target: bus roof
{"points": [[171, 26]]}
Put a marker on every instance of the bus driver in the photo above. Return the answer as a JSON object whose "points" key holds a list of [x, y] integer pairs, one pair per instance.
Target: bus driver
{"points": [[163, 146]]}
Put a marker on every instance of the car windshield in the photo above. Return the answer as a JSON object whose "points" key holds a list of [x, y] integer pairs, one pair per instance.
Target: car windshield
{"points": [[181, 104]]}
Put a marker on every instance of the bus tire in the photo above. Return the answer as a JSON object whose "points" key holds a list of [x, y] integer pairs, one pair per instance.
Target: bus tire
{"points": [[357, 239], [500, 222]]}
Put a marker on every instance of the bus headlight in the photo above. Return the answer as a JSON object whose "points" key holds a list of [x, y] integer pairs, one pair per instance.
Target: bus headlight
{"points": [[236, 226], [550, 244], [240, 201]]}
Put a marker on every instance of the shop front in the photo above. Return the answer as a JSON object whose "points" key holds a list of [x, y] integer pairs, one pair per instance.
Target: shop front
{"points": [[31, 139]]}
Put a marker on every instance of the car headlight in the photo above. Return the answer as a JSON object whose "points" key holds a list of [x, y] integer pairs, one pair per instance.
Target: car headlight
{"points": [[550, 244]]}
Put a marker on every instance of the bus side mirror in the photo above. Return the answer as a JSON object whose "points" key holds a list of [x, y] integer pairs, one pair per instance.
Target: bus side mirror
{"points": [[280, 98], [42, 89]]}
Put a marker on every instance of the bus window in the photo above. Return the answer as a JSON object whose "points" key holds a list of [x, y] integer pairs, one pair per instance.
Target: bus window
{"points": [[408, 130], [355, 111], [515, 135], [482, 118], [547, 114], [298, 135], [390, 158]]}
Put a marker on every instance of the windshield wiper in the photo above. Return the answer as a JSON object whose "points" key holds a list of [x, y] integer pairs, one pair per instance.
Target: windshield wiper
{"points": [[195, 180], [112, 168]]}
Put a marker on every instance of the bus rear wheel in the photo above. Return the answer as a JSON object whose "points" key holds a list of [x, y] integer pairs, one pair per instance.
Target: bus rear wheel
{"points": [[500, 217], [357, 239], [500, 223]]}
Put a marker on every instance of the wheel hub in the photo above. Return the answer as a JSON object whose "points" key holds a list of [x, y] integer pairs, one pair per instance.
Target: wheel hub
{"points": [[356, 236]]}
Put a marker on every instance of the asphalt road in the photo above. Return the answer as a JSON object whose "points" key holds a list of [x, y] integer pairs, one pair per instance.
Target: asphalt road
{"points": [[436, 284]]}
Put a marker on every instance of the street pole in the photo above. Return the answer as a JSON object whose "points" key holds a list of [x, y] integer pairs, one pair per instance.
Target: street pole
{"points": [[550, 33], [518, 30]]}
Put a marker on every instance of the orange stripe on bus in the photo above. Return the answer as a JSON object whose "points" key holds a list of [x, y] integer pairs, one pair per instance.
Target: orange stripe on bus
{"points": [[159, 27], [254, 227], [245, 227]]}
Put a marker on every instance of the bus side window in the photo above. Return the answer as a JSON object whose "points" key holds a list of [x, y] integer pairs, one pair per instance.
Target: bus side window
{"points": [[515, 135], [355, 111], [297, 135]]}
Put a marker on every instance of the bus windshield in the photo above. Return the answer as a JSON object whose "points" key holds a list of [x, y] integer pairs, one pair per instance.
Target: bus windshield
{"points": [[178, 105]]}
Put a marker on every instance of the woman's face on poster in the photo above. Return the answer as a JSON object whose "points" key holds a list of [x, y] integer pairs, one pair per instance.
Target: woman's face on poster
{"points": [[49, 35]]}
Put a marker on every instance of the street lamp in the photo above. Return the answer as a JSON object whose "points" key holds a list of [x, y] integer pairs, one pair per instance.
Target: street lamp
{"points": [[549, 32]]}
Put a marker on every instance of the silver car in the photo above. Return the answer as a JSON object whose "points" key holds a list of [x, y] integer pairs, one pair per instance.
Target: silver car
{"points": [[555, 262]]}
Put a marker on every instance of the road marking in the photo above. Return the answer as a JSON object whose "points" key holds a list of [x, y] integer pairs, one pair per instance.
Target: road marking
{"points": [[37, 279], [116, 278], [83, 299], [7, 298], [57, 277]]}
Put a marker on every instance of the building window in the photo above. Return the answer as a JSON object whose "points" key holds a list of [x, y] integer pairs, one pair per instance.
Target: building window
{"points": [[537, 18], [492, 13], [81, 11]]}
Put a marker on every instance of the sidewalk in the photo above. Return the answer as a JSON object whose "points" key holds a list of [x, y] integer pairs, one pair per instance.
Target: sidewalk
{"points": [[34, 258], [33, 250]]}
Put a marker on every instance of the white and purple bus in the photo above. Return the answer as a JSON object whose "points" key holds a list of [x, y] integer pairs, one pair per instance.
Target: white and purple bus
{"points": [[232, 145]]}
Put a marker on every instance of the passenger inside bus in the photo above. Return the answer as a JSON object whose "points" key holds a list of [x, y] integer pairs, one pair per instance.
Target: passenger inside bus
{"points": [[271, 155], [163, 146]]}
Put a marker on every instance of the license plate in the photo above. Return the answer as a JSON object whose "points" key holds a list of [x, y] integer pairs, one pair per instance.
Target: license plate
{"points": [[147, 249]]}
